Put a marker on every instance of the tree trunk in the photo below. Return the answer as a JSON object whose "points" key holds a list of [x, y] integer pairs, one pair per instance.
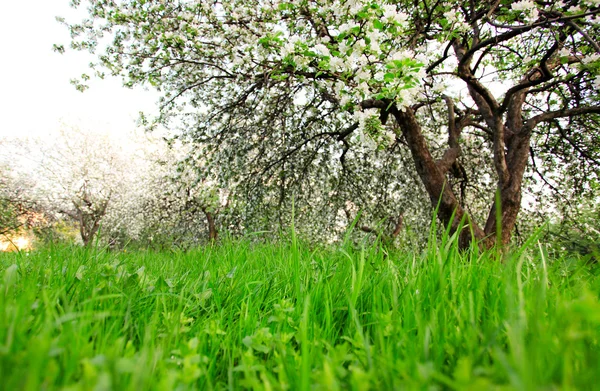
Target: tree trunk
{"points": [[510, 145], [510, 194], [213, 233], [440, 193], [88, 228], [85, 238]]}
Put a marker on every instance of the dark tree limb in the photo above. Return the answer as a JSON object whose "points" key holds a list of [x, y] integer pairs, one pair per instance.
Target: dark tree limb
{"points": [[551, 115]]}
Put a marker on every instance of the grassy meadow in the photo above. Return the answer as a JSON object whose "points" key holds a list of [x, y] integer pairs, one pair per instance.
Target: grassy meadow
{"points": [[286, 317]]}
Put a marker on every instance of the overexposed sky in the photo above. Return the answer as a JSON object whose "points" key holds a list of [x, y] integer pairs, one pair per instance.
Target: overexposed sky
{"points": [[35, 92]]}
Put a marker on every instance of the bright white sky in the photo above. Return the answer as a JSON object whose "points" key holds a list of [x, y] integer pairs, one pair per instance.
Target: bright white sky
{"points": [[35, 93]]}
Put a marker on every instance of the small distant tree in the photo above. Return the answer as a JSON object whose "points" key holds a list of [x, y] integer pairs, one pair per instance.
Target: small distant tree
{"points": [[185, 202], [80, 173], [17, 208], [88, 209], [166, 203]]}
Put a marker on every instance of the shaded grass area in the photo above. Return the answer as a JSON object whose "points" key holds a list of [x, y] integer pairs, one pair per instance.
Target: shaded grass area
{"points": [[282, 316]]}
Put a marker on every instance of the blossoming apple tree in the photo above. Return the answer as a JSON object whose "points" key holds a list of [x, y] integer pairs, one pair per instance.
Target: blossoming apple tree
{"points": [[79, 174], [277, 88]]}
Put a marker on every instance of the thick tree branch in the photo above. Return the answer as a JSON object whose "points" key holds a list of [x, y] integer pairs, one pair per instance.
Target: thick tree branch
{"points": [[346, 132], [440, 194], [534, 77], [484, 99], [495, 41], [448, 159], [550, 115]]}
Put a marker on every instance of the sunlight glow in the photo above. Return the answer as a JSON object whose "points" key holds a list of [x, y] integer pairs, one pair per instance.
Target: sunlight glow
{"points": [[17, 243]]}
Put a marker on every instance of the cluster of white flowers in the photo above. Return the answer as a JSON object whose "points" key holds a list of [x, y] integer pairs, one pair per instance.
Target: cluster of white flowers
{"points": [[528, 7], [288, 48], [336, 63], [456, 20], [596, 83], [322, 50], [523, 5], [590, 58], [391, 14], [593, 19], [364, 116], [451, 16], [579, 8]]}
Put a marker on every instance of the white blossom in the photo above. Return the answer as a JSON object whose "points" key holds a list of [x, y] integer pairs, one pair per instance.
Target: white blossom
{"points": [[363, 75], [336, 63], [345, 100], [322, 49], [389, 11], [590, 58], [451, 16], [528, 7], [287, 49], [364, 89], [523, 5]]}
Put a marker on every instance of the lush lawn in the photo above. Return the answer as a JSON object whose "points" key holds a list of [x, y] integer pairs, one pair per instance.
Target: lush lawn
{"points": [[285, 317]]}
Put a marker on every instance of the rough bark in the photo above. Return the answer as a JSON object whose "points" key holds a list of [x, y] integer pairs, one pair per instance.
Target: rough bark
{"points": [[509, 145], [89, 223], [433, 177], [213, 233]]}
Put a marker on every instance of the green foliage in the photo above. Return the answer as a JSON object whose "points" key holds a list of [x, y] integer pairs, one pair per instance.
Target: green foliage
{"points": [[272, 317], [19, 210], [8, 216], [60, 232], [577, 235]]}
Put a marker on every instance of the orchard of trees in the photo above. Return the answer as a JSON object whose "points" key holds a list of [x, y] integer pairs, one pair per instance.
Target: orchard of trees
{"points": [[79, 184], [364, 114]]}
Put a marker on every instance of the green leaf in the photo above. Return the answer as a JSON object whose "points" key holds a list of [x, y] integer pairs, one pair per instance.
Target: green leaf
{"points": [[285, 6], [10, 276], [363, 15], [389, 77]]}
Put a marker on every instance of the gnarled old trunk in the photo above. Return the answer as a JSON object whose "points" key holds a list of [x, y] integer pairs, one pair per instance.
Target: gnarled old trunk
{"points": [[510, 191], [510, 153], [450, 211], [433, 176], [510, 138]]}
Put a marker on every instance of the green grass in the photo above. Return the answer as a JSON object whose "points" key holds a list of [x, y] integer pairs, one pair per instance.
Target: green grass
{"points": [[258, 316]]}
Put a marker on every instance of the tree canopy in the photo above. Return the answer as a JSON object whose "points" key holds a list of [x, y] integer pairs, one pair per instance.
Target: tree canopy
{"points": [[310, 97]]}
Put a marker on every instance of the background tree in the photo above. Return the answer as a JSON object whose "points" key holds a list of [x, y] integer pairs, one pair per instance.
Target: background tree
{"points": [[78, 174], [134, 188], [275, 87], [18, 209], [179, 206]]}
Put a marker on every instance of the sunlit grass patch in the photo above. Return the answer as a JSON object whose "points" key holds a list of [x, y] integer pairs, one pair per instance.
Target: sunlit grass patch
{"points": [[284, 316]]}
